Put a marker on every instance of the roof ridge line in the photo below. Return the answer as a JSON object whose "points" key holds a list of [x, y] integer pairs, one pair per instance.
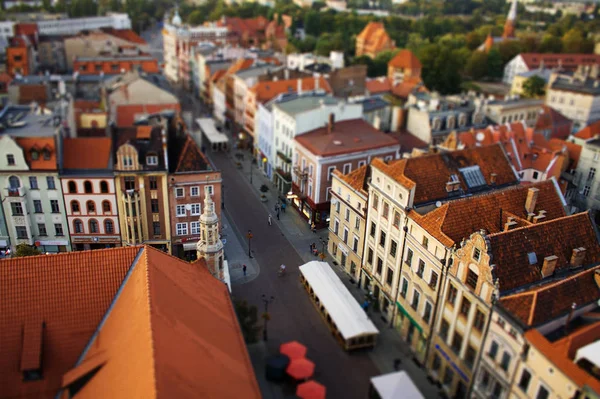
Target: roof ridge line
{"points": [[532, 308], [573, 216], [152, 342]]}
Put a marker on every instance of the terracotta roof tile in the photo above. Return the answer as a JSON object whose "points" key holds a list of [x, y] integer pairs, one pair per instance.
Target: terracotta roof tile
{"points": [[125, 34], [69, 293], [96, 150], [589, 132], [510, 249], [171, 331], [267, 90], [550, 118], [191, 158], [39, 144], [565, 61], [378, 85], [546, 302], [404, 89], [357, 179], [430, 173], [405, 59], [370, 29], [347, 137], [458, 219]]}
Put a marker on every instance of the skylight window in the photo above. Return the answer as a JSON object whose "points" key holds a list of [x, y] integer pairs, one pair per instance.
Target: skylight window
{"points": [[473, 176], [532, 258]]}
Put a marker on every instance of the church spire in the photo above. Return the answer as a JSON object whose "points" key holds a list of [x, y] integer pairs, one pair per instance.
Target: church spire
{"points": [[511, 21], [210, 246]]}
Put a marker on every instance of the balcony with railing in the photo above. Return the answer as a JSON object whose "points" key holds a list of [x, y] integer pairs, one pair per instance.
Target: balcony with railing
{"points": [[301, 173], [285, 176], [284, 157], [14, 192]]}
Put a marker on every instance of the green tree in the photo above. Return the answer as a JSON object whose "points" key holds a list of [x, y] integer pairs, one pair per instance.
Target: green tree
{"points": [[248, 318], [534, 87], [26, 250], [477, 65], [508, 50], [441, 68], [494, 64], [312, 23], [574, 42], [550, 44], [196, 17]]}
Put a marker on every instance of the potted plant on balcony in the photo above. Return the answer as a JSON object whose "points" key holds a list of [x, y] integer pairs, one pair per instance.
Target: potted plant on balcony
{"points": [[264, 189]]}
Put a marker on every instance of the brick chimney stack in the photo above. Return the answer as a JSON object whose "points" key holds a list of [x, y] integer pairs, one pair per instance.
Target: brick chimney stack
{"points": [[331, 124], [532, 195], [493, 177], [549, 265], [577, 256]]}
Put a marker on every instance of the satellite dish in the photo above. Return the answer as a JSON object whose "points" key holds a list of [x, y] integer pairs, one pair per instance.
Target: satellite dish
{"points": [[438, 204], [480, 136]]}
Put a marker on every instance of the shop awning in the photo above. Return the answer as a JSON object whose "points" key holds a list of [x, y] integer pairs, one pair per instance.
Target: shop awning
{"points": [[207, 125], [405, 313], [396, 385]]}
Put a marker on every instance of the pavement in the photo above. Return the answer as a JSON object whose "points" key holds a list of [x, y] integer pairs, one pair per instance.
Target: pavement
{"points": [[293, 316]]}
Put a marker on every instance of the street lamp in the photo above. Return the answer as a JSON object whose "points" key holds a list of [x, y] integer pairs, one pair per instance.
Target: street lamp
{"points": [[266, 300], [249, 237]]}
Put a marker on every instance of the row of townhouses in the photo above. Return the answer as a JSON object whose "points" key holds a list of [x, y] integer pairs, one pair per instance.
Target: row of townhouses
{"points": [[485, 279], [141, 184]]}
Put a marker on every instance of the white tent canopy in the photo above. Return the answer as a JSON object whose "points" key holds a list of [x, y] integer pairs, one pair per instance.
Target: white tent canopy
{"points": [[590, 352], [396, 385], [207, 125], [350, 319]]}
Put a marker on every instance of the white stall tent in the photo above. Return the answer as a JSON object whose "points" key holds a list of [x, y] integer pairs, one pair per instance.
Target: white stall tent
{"points": [[395, 385], [590, 352], [214, 137], [350, 319]]}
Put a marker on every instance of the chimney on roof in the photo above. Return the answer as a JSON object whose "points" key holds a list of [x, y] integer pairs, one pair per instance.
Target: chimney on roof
{"points": [[331, 124], [541, 215], [570, 317], [577, 256], [532, 195], [510, 223], [299, 86], [316, 82], [493, 177], [549, 265]]}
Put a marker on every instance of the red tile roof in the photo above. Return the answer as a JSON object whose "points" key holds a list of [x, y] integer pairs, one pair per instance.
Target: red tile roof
{"points": [[378, 85], [559, 353], [267, 90], [348, 136], [510, 249], [357, 179], [136, 321], [39, 144], [125, 34], [191, 158], [430, 173], [458, 219], [550, 119], [590, 131], [546, 302], [408, 86], [87, 153], [565, 61], [405, 59]]}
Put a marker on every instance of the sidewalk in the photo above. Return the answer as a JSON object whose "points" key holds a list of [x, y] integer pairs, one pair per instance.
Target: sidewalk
{"points": [[236, 254], [297, 230]]}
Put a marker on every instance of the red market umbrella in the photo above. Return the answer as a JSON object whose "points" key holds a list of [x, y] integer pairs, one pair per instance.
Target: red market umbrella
{"points": [[293, 350], [301, 369], [311, 390]]}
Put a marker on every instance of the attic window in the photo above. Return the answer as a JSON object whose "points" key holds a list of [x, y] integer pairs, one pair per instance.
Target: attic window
{"points": [[473, 176], [46, 155], [532, 258], [35, 155], [152, 159]]}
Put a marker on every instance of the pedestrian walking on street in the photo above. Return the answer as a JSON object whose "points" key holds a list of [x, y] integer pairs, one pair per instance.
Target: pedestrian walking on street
{"points": [[277, 213], [244, 269], [270, 222], [313, 228], [312, 248]]}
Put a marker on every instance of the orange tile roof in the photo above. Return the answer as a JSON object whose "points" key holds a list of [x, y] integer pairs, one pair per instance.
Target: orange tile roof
{"points": [[590, 131], [267, 90], [574, 150], [70, 293], [125, 34], [430, 173], [555, 353], [191, 158], [405, 59], [171, 330], [357, 179], [458, 219], [370, 29], [541, 304], [550, 118], [87, 153], [348, 136], [404, 89], [39, 144], [218, 75], [509, 250], [143, 132], [378, 85]]}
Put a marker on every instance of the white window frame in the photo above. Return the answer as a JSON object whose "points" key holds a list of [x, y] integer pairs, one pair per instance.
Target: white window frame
{"points": [[361, 163], [347, 166], [181, 229], [177, 192], [193, 210], [194, 228], [180, 214], [195, 188], [210, 188], [152, 160], [329, 172]]}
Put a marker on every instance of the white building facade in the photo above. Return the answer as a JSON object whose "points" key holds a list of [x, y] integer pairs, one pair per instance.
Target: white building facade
{"points": [[73, 26]]}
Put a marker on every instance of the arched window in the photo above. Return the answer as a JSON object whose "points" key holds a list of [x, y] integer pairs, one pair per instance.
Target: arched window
{"points": [[93, 226], [87, 187], [103, 186], [108, 226], [91, 207], [78, 226], [75, 206], [72, 187], [106, 206], [14, 182]]}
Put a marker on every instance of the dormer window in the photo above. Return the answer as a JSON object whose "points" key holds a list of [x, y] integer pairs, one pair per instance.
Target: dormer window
{"points": [[35, 155], [152, 159], [436, 124], [46, 155], [127, 161], [10, 159], [450, 122]]}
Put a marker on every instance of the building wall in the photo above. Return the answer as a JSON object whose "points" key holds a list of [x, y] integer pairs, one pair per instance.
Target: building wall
{"points": [[115, 66], [501, 114], [263, 122], [87, 237], [72, 26], [579, 107], [184, 245], [514, 67], [347, 215], [418, 124], [218, 98], [587, 179], [125, 114]]}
